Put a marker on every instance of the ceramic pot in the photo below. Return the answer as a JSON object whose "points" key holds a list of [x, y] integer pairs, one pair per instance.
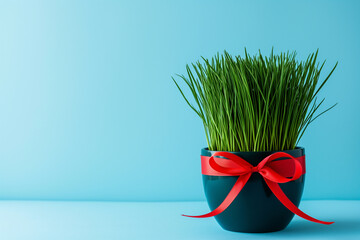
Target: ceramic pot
{"points": [[255, 209]]}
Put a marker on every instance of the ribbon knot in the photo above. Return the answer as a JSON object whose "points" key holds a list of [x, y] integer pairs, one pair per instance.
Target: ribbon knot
{"points": [[271, 168]]}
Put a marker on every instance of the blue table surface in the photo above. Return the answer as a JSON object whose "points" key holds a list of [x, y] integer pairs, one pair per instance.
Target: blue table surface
{"points": [[159, 220]]}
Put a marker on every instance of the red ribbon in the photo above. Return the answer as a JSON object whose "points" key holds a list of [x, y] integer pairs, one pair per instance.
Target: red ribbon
{"points": [[272, 169]]}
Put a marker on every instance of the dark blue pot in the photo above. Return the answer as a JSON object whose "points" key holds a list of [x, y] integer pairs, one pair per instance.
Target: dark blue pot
{"points": [[255, 209]]}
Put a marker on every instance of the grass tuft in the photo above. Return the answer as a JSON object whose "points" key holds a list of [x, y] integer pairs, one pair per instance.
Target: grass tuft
{"points": [[255, 103]]}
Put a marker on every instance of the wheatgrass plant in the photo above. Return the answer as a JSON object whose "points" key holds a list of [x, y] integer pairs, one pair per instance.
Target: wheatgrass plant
{"points": [[255, 103]]}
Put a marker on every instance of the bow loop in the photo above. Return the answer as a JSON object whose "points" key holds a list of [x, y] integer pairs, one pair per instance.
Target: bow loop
{"points": [[233, 164], [266, 170]]}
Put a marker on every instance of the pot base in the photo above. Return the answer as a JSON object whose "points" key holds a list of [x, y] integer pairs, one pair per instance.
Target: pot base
{"points": [[254, 230]]}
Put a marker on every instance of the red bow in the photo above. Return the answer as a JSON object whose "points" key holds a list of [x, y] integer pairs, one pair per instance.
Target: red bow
{"points": [[273, 172]]}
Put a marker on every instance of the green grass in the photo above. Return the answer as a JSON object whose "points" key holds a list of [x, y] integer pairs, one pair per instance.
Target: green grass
{"points": [[255, 103]]}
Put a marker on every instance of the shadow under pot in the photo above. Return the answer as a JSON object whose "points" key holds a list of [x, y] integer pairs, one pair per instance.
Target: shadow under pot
{"points": [[255, 209]]}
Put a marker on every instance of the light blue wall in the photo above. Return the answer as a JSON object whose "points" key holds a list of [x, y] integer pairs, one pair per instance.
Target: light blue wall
{"points": [[88, 109]]}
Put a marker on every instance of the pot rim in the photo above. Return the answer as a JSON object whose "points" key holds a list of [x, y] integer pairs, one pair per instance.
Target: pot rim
{"points": [[264, 152]]}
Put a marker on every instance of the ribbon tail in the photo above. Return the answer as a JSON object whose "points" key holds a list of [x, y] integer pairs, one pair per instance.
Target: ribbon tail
{"points": [[235, 190], [275, 188]]}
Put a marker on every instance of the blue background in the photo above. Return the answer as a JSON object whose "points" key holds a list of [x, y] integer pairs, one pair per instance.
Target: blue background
{"points": [[88, 110]]}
